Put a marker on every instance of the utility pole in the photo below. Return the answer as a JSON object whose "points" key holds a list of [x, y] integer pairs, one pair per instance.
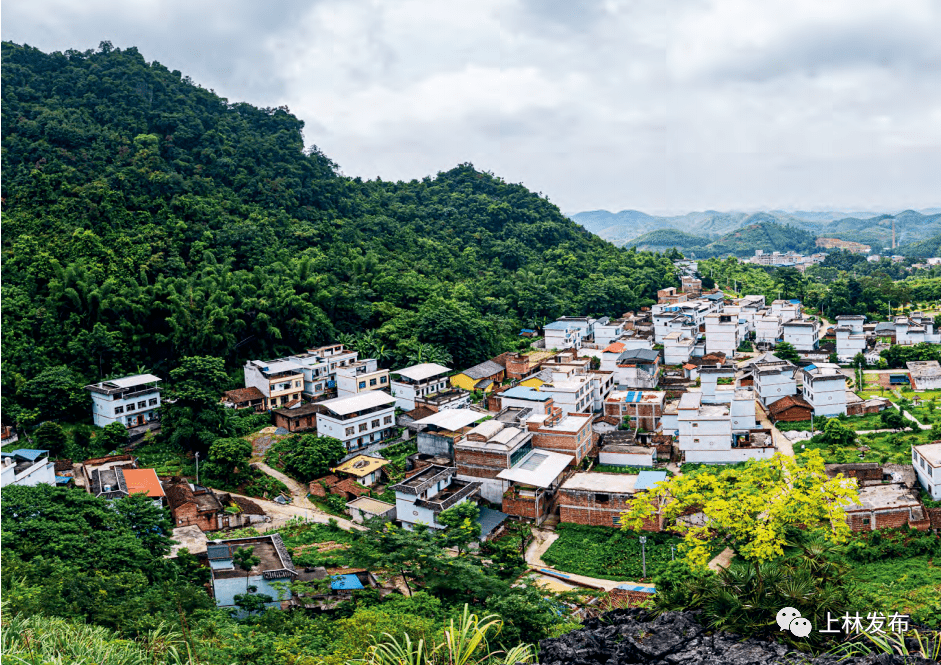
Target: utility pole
{"points": [[643, 554]]}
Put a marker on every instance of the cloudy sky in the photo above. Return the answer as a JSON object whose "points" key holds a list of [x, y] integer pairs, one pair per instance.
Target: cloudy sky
{"points": [[645, 104]]}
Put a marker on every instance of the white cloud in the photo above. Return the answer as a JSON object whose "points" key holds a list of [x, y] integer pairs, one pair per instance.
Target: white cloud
{"points": [[604, 103]]}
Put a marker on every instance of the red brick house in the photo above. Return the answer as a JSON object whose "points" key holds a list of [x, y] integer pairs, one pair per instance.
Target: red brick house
{"points": [[790, 409], [300, 419], [245, 398], [598, 499]]}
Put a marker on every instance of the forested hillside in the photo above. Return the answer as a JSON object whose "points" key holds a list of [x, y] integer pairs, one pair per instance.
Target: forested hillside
{"points": [[147, 219], [743, 242]]}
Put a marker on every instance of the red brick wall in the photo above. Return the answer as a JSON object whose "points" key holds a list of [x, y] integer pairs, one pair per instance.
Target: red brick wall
{"points": [[523, 506], [582, 508], [517, 366], [793, 414], [478, 463], [892, 519], [295, 424], [934, 516], [190, 515]]}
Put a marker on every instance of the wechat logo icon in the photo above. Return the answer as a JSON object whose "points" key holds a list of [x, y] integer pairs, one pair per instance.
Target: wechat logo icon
{"points": [[790, 619]]}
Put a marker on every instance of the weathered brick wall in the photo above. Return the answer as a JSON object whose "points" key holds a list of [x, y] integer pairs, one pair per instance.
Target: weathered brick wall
{"points": [[934, 517], [522, 506], [891, 519], [517, 365], [187, 514], [582, 508]]}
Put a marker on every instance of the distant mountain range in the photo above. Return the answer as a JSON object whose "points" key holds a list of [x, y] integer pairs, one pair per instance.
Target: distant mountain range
{"points": [[712, 233]]}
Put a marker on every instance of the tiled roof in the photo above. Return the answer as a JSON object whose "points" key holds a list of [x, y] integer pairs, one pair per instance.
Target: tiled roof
{"points": [[143, 481], [243, 395], [349, 486], [484, 370], [418, 413], [614, 347], [179, 495], [787, 402]]}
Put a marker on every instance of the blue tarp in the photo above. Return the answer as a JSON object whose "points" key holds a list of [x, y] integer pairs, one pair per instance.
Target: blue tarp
{"points": [[30, 454], [647, 479], [348, 582], [522, 392], [63, 480]]}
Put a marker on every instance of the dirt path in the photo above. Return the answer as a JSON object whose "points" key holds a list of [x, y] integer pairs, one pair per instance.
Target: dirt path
{"points": [[722, 560], [281, 514]]}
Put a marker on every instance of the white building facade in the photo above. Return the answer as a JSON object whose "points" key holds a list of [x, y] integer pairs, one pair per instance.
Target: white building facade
{"points": [[418, 381], [131, 400], [926, 460], [825, 390], [358, 421]]}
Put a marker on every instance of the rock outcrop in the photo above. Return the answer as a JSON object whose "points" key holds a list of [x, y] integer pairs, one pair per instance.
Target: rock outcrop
{"points": [[633, 637]]}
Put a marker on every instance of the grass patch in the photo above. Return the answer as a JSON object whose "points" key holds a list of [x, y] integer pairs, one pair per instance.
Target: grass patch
{"points": [[167, 459], [611, 468], [608, 553], [864, 422], [884, 448], [694, 468], [301, 538]]}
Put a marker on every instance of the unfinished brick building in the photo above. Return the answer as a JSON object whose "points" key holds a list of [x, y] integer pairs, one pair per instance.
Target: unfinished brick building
{"points": [[598, 499]]}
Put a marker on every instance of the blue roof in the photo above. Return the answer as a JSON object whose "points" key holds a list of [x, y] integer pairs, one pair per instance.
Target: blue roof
{"points": [[63, 480], [558, 325], [647, 479], [347, 582], [527, 330], [810, 367], [636, 587], [218, 552], [795, 301], [30, 454], [633, 396], [523, 392], [489, 519]]}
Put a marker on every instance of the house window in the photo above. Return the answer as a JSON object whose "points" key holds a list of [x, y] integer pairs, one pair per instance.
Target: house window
{"points": [[695, 440], [130, 407], [372, 382], [363, 427], [375, 423], [601, 498], [142, 404], [382, 379], [387, 420], [362, 384], [350, 431], [153, 401], [616, 520], [119, 409], [318, 387]]}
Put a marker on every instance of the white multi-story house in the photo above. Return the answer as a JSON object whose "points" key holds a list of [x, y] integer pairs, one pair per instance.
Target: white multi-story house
{"points": [[573, 395], [927, 462], [742, 410], [319, 366], [607, 331], [602, 385], [802, 334], [422, 497], [925, 374], [358, 421], [522, 397], [360, 376], [677, 348], [418, 381], [854, 322], [131, 400], [786, 310], [825, 389], [768, 328], [722, 333], [773, 378], [705, 433], [281, 381], [562, 335], [718, 384], [849, 343], [916, 329], [27, 466]]}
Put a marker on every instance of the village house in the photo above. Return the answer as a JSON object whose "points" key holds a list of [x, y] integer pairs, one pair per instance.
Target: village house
{"points": [[566, 434], [707, 434], [521, 365], [598, 499], [607, 331], [802, 334], [790, 409], [691, 286], [773, 378], [420, 498], [281, 381], [367, 470], [926, 459], [319, 367], [438, 431], [28, 467], [443, 400], [723, 333], [191, 505], [786, 310], [602, 385], [534, 482], [637, 368], [366, 508], [678, 348], [620, 448], [925, 374], [484, 377], [245, 398], [274, 566], [717, 383], [358, 421], [643, 408], [825, 389], [298, 418], [411, 383], [768, 328], [562, 335], [486, 450], [132, 401], [526, 398], [849, 343], [886, 506], [360, 376], [117, 477], [573, 395], [670, 296]]}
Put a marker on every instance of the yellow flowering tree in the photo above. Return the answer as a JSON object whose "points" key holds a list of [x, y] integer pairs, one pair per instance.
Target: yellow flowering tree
{"points": [[752, 506]]}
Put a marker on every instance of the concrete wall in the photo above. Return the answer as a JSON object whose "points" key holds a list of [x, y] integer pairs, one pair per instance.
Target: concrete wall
{"points": [[729, 456], [626, 459]]}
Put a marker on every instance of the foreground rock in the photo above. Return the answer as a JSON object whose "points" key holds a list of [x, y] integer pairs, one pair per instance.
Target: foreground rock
{"points": [[629, 637]]}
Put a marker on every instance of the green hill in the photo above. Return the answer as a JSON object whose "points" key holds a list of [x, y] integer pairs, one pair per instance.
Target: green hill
{"points": [[147, 219], [765, 235]]}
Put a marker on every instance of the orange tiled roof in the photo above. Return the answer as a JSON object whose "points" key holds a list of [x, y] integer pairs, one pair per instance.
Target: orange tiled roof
{"points": [[143, 481], [614, 347]]}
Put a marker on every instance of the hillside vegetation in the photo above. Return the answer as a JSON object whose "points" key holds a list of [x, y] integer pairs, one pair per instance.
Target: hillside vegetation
{"points": [[743, 242], [147, 219]]}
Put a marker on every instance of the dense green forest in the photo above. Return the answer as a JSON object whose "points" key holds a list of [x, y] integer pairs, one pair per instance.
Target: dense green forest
{"points": [[743, 242], [147, 219]]}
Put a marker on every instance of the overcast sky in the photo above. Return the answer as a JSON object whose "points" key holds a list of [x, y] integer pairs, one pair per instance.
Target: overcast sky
{"points": [[650, 104]]}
